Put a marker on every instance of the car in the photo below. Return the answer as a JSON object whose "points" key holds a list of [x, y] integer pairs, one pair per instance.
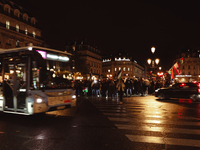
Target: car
{"points": [[189, 90]]}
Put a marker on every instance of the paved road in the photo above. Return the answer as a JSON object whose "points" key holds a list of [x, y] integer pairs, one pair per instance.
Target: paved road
{"points": [[152, 124], [98, 123]]}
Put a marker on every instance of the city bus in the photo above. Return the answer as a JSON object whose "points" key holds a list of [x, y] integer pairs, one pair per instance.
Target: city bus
{"points": [[28, 86]]}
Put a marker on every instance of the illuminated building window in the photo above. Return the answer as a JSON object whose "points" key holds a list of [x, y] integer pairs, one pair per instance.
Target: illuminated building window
{"points": [[34, 34], [119, 68], [124, 69], [17, 28], [26, 31], [17, 43], [108, 70], [115, 69], [128, 69], [8, 24], [73, 48]]}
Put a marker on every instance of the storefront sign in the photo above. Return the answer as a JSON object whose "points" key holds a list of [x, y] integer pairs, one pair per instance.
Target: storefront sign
{"points": [[183, 75]]}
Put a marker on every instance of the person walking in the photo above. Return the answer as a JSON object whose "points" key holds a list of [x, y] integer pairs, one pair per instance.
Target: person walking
{"points": [[129, 87], [112, 89], [120, 86]]}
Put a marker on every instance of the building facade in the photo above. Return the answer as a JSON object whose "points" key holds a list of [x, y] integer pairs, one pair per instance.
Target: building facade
{"points": [[114, 63], [17, 27], [86, 58], [190, 69]]}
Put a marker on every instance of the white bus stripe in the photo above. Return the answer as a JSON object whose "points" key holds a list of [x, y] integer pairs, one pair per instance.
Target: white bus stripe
{"points": [[158, 129], [155, 121], [162, 140]]}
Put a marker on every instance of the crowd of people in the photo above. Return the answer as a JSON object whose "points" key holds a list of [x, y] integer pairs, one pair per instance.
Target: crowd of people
{"points": [[110, 88]]}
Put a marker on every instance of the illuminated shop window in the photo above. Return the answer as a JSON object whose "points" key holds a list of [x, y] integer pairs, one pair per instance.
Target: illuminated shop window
{"points": [[8, 24]]}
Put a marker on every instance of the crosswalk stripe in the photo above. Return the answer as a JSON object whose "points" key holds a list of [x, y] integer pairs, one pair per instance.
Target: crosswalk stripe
{"points": [[154, 121], [157, 129], [109, 110], [115, 114], [175, 117], [162, 140]]}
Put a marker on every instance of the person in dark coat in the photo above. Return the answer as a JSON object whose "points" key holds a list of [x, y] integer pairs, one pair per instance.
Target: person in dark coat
{"points": [[112, 89], [128, 85]]}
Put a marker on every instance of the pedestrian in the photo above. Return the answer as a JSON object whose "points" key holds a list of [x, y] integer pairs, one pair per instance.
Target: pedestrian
{"points": [[128, 85], [120, 87], [112, 89]]}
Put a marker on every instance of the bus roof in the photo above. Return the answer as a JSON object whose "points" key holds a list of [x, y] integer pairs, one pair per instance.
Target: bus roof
{"points": [[2, 51]]}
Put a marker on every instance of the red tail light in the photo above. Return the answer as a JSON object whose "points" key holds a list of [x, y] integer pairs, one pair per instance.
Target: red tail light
{"points": [[198, 90], [183, 84], [198, 85]]}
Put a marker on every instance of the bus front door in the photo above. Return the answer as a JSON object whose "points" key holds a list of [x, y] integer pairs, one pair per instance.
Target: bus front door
{"points": [[15, 87]]}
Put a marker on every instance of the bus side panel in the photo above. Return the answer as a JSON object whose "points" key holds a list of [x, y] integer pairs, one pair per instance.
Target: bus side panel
{"points": [[40, 108]]}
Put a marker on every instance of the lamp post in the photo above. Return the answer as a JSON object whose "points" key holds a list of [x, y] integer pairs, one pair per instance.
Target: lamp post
{"points": [[153, 62]]}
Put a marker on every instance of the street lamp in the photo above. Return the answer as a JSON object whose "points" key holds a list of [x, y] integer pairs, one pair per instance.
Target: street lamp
{"points": [[153, 62], [153, 49]]}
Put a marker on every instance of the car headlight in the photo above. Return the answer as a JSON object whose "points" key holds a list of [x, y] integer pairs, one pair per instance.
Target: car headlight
{"points": [[39, 99]]}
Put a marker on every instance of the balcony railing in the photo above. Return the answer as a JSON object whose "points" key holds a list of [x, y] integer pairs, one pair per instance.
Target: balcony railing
{"points": [[20, 31], [20, 18]]}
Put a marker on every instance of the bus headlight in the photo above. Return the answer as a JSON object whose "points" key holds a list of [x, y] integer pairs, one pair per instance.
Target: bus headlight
{"points": [[39, 99]]}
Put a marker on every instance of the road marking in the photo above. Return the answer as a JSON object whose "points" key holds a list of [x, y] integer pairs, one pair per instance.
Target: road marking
{"points": [[115, 114], [113, 108], [162, 140], [157, 129], [108, 110], [155, 121]]}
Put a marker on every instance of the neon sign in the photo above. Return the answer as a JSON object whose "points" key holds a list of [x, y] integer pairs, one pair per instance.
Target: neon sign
{"points": [[43, 53], [58, 58]]}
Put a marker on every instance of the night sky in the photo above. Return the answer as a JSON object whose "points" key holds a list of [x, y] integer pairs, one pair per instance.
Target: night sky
{"points": [[130, 26]]}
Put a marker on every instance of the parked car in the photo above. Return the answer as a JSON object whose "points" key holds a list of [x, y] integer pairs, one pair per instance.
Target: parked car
{"points": [[180, 90]]}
